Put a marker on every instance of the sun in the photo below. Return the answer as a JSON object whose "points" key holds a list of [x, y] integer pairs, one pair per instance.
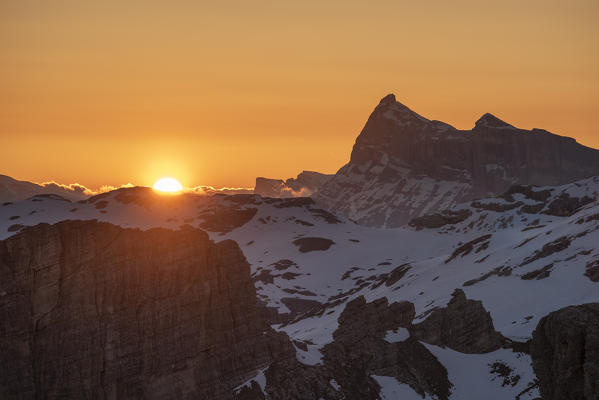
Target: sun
{"points": [[168, 185]]}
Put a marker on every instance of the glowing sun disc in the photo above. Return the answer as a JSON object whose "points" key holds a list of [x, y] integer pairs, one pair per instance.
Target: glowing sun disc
{"points": [[168, 185]]}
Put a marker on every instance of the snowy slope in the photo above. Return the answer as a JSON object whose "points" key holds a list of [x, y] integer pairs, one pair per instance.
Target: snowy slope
{"points": [[523, 255], [15, 190]]}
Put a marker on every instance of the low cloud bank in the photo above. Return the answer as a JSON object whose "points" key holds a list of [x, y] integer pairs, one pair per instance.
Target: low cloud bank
{"points": [[79, 189], [12, 190]]}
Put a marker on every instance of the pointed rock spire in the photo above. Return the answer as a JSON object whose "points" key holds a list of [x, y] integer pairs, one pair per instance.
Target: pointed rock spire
{"points": [[491, 121], [388, 99], [390, 108]]}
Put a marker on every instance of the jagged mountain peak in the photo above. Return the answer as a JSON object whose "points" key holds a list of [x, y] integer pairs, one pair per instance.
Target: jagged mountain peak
{"points": [[488, 120], [394, 110], [403, 165], [388, 99], [391, 100]]}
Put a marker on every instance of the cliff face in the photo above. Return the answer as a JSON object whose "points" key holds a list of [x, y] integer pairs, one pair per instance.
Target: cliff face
{"points": [[404, 165], [92, 310]]}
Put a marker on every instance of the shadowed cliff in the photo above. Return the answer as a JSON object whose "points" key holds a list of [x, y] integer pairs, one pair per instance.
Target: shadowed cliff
{"points": [[92, 310]]}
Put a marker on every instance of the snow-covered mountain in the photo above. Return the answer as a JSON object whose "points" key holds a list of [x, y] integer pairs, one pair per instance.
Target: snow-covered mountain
{"points": [[14, 190], [305, 184], [404, 165], [445, 307]]}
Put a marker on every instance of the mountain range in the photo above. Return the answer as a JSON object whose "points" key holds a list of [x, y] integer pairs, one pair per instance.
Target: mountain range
{"points": [[437, 264]]}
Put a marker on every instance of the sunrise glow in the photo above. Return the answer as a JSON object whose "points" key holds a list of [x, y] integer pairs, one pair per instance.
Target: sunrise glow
{"points": [[182, 182], [168, 185]]}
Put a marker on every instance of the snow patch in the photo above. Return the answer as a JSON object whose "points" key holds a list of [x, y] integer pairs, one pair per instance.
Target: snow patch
{"points": [[397, 335], [260, 379], [472, 377], [334, 384], [391, 389]]}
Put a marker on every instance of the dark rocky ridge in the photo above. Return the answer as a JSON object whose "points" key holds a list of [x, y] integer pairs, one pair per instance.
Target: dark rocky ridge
{"points": [[359, 350], [92, 310], [399, 150]]}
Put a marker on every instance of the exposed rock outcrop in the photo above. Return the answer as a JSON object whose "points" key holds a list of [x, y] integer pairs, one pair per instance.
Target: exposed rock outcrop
{"points": [[308, 244], [267, 187], [359, 350], [437, 220], [305, 184], [404, 165], [226, 219], [464, 325], [565, 205], [92, 310], [565, 353]]}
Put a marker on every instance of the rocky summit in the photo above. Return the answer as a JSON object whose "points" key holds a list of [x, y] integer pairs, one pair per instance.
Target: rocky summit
{"points": [[404, 165]]}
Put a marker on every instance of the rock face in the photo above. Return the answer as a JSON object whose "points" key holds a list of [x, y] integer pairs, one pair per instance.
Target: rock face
{"points": [[92, 310], [267, 187], [305, 184], [464, 325], [565, 353], [403, 165]]}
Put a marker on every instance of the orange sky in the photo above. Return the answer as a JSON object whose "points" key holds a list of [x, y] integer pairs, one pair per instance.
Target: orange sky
{"points": [[99, 92]]}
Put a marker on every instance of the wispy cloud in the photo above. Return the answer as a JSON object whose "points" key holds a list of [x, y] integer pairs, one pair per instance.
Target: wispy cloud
{"points": [[290, 192], [72, 187], [79, 189], [202, 189]]}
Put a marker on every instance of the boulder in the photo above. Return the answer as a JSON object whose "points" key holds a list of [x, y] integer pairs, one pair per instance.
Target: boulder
{"points": [[464, 325], [565, 353]]}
